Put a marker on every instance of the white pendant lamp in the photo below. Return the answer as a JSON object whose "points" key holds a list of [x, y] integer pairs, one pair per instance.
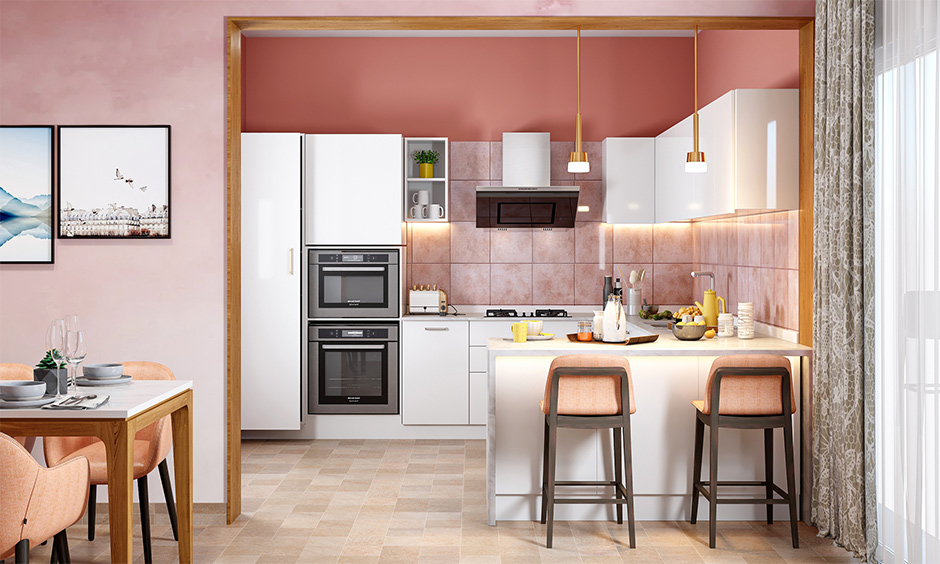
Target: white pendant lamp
{"points": [[695, 161], [578, 162]]}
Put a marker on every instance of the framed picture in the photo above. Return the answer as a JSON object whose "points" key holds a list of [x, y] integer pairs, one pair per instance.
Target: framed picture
{"points": [[114, 182], [26, 202]]}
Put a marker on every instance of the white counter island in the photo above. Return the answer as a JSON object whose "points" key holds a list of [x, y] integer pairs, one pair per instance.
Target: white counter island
{"points": [[667, 375]]}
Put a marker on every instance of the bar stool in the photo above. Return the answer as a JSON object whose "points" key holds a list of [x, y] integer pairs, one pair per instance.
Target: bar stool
{"points": [[584, 392], [745, 392]]}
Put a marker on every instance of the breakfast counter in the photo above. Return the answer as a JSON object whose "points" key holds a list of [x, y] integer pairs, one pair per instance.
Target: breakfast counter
{"points": [[667, 375]]}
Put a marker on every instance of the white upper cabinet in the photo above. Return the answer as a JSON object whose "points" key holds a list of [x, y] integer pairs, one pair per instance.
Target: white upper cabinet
{"points": [[270, 280], [751, 145], [679, 195], [353, 191], [628, 176]]}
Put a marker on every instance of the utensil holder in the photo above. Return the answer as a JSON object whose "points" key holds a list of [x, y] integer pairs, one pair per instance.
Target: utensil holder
{"points": [[634, 301]]}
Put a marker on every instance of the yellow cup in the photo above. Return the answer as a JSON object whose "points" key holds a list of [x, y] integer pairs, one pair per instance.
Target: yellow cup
{"points": [[520, 332]]}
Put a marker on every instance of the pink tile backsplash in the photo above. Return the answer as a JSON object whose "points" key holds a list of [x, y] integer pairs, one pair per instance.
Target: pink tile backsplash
{"points": [[633, 243], [469, 244], [430, 243], [511, 246], [593, 243], [672, 242], [470, 160], [553, 284], [511, 284], [470, 284], [555, 246], [754, 257]]}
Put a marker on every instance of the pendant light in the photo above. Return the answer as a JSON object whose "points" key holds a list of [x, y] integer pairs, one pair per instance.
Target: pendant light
{"points": [[578, 162], [695, 161]]}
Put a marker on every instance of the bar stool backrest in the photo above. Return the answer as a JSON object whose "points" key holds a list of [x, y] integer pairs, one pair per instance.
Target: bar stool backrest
{"points": [[749, 394], [589, 394]]}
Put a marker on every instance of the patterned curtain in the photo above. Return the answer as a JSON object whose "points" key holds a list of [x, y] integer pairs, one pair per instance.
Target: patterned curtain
{"points": [[843, 294]]}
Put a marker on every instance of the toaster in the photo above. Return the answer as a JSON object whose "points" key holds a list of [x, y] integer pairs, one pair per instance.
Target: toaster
{"points": [[427, 301]]}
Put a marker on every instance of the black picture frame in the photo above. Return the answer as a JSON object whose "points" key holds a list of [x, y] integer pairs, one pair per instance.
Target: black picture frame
{"points": [[27, 162], [110, 204]]}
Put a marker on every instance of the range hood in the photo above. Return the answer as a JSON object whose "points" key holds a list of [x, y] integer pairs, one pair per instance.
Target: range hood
{"points": [[526, 198]]}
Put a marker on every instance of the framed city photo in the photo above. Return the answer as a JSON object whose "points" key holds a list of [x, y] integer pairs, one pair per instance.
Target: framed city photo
{"points": [[26, 194], [114, 182]]}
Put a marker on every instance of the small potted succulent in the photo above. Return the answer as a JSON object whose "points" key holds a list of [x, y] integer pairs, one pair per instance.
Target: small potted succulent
{"points": [[47, 371], [426, 161]]}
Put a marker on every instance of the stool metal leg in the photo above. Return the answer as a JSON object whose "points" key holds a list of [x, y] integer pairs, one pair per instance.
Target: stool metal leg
{"points": [[712, 485], [791, 481], [550, 486], [545, 471], [628, 459], [697, 466], [618, 471], [769, 471]]}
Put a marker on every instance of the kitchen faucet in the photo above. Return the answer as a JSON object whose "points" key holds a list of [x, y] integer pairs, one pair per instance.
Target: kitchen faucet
{"points": [[697, 273]]}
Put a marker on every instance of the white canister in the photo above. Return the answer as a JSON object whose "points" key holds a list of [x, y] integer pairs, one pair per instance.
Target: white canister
{"points": [[725, 325], [634, 301], [746, 320], [597, 326]]}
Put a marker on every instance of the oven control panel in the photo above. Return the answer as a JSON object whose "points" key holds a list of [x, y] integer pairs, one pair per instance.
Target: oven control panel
{"points": [[339, 333], [354, 258]]}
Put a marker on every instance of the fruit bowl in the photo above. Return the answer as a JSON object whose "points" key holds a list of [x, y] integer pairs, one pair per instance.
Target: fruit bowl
{"points": [[688, 332]]}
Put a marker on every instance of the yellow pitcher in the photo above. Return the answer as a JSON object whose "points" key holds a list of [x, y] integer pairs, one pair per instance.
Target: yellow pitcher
{"points": [[710, 307]]}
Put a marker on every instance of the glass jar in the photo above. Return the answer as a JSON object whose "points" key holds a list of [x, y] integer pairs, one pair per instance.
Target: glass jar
{"points": [[598, 326], [585, 331], [725, 325]]}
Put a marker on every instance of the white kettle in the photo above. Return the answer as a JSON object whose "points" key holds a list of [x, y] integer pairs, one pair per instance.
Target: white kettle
{"points": [[615, 321]]}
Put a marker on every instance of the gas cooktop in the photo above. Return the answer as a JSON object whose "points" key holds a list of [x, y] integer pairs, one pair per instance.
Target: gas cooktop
{"points": [[537, 313]]}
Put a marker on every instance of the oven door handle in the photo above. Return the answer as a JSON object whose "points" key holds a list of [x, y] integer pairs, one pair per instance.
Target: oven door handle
{"points": [[352, 268], [352, 347]]}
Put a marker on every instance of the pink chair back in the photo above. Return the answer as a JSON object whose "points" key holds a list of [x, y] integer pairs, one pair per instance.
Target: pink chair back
{"points": [[588, 395], [17, 371], [749, 395]]}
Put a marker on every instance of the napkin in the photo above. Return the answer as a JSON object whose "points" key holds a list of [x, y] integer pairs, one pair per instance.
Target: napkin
{"points": [[68, 402]]}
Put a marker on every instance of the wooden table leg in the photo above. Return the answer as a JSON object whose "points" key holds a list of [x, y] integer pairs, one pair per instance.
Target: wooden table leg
{"points": [[119, 445], [182, 420]]}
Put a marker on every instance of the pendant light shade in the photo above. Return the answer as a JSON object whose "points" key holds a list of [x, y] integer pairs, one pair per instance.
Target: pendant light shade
{"points": [[695, 161], [578, 162]]}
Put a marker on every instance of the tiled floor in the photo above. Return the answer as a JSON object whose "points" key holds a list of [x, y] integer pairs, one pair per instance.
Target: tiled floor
{"points": [[423, 501]]}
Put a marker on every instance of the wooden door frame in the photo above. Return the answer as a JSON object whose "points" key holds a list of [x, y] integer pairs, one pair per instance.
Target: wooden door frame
{"points": [[235, 26]]}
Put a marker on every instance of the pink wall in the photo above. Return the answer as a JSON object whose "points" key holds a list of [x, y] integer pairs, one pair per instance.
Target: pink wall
{"points": [[471, 88], [747, 59], [107, 62]]}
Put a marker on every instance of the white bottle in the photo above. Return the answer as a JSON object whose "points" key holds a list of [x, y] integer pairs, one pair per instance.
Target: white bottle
{"points": [[597, 326], [615, 321]]}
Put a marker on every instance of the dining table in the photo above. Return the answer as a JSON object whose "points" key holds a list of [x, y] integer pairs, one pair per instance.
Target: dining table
{"points": [[130, 407]]}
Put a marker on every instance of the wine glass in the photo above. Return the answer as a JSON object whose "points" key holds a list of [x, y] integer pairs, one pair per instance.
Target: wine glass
{"points": [[55, 345], [75, 354], [71, 322]]}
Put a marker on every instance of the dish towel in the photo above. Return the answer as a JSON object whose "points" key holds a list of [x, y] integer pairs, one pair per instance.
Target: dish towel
{"points": [[86, 402]]}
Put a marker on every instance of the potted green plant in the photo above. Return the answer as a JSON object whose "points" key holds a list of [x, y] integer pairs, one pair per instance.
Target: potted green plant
{"points": [[46, 371], [426, 161]]}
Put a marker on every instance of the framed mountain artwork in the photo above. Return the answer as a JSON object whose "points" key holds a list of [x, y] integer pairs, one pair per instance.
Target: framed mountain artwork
{"points": [[26, 202], [114, 182]]}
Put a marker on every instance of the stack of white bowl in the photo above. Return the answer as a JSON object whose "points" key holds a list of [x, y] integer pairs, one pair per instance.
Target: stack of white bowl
{"points": [[746, 320]]}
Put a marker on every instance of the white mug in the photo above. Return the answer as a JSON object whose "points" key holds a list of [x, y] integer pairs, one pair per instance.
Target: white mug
{"points": [[421, 197], [418, 212], [435, 211]]}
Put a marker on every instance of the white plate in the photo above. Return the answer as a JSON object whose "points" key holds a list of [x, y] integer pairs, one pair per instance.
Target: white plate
{"points": [[105, 382], [542, 337], [48, 398]]}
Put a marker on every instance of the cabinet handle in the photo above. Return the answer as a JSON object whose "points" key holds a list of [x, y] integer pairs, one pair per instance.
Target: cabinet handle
{"points": [[290, 264], [437, 328]]}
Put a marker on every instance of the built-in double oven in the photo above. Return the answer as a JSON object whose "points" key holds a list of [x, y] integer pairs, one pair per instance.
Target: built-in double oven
{"points": [[352, 339]]}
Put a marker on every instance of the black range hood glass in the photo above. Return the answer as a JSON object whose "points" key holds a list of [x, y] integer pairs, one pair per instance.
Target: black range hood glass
{"points": [[554, 206]]}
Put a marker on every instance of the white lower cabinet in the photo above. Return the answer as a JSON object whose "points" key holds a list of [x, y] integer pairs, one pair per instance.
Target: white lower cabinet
{"points": [[435, 367]]}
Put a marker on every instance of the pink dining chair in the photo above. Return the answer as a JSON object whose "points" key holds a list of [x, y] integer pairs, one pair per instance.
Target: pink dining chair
{"points": [[16, 371], [151, 447], [38, 503]]}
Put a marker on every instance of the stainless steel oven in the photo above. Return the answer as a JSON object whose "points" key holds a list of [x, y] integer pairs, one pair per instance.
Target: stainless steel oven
{"points": [[353, 283], [352, 368]]}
